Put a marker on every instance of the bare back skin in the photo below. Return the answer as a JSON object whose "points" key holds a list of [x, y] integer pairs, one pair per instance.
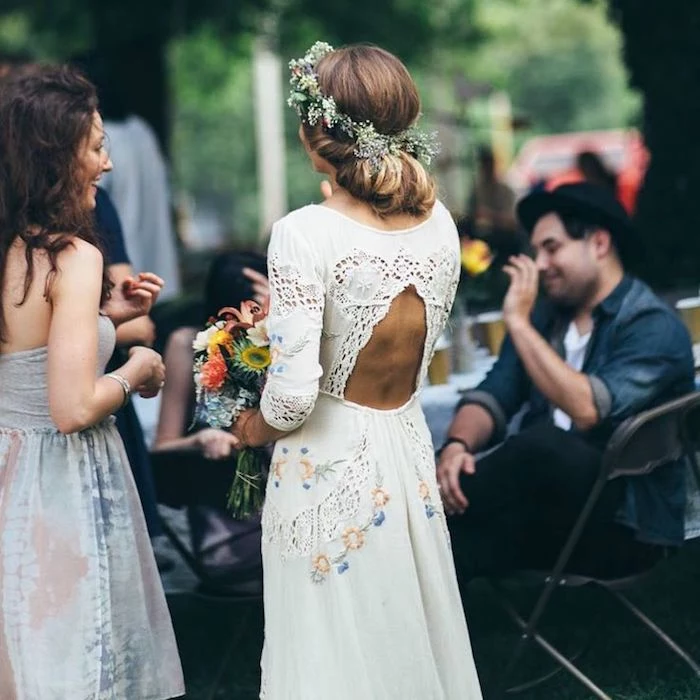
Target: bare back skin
{"points": [[387, 367], [386, 371], [27, 324]]}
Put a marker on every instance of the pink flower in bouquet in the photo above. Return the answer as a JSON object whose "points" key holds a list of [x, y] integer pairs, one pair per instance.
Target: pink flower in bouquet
{"points": [[244, 318], [213, 372]]}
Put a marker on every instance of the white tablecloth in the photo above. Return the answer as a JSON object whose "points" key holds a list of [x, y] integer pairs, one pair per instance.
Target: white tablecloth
{"points": [[439, 401]]}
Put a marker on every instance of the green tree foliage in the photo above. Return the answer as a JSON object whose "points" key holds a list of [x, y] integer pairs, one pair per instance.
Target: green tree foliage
{"points": [[213, 130], [559, 60], [663, 55]]}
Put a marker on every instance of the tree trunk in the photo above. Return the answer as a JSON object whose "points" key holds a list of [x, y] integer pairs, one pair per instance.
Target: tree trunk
{"points": [[133, 60], [662, 53]]}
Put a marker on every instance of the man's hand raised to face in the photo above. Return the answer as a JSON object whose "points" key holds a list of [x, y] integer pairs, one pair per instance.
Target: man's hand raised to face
{"points": [[522, 293]]}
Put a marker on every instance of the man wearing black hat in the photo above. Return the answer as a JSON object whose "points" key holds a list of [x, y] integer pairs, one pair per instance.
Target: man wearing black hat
{"points": [[598, 348]]}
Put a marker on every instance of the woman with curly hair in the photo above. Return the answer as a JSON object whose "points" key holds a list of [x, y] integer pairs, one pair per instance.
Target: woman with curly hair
{"points": [[82, 611]]}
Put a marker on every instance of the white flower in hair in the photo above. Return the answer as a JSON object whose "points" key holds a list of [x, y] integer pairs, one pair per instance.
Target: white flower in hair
{"points": [[313, 107]]}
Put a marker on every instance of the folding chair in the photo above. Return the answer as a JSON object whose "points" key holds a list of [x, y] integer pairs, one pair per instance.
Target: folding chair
{"points": [[223, 554], [639, 445]]}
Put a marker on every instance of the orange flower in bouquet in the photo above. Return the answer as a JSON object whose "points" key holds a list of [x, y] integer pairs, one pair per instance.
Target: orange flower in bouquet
{"points": [[213, 372]]}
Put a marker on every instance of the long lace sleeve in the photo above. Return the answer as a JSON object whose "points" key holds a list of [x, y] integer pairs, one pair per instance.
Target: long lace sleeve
{"points": [[294, 325]]}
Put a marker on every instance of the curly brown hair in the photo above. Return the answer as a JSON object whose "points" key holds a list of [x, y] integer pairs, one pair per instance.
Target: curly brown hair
{"points": [[46, 115], [371, 84]]}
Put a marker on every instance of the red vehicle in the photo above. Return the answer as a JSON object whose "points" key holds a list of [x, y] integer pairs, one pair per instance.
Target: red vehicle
{"points": [[551, 160]]}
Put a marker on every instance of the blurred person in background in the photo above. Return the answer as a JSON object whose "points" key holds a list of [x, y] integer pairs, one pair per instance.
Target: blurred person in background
{"points": [[491, 210], [138, 186], [138, 331], [594, 170], [232, 278], [200, 461]]}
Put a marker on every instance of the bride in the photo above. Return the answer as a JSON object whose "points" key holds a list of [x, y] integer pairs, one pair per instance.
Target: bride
{"points": [[361, 599]]}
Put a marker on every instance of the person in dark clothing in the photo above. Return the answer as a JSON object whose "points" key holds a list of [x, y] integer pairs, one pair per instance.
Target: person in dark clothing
{"points": [[138, 331], [600, 347], [228, 550]]}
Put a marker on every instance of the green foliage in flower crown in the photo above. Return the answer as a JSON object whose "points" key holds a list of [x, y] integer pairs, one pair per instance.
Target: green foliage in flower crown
{"points": [[313, 107]]}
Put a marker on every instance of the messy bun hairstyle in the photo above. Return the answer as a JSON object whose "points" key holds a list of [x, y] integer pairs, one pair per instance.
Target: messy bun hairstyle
{"points": [[370, 84]]}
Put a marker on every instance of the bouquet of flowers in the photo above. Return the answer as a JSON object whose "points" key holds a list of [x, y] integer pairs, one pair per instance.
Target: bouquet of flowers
{"points": [[231, 357]]}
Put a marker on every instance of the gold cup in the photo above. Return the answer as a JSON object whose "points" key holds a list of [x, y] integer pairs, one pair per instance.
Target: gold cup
{"points": [[493, 330], [689, 309], [439, 367]]}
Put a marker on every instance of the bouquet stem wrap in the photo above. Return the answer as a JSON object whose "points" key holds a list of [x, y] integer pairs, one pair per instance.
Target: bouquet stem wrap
{"points": [[247, 492]]}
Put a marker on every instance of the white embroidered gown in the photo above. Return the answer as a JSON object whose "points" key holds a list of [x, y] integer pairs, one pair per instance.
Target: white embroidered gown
{"points": [[361, 598]]}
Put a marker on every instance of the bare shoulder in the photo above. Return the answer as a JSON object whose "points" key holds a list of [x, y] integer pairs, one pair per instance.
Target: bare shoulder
{"points": [[80, 253], [79, 270]]}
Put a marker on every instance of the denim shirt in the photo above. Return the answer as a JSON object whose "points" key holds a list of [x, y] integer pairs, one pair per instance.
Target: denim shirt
{"points": [[639, 356]]}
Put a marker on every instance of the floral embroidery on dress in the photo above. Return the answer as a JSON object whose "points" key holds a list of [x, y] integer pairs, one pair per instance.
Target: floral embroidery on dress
{"points": [[424, 493], [278, 351], [277, 467], [353, 538], [309, 472], [315, 472]]}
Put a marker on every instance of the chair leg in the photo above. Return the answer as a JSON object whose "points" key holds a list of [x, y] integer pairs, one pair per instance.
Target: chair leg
{"points": [[555, 577], [529, 633], [182, 550], [650, 624]]}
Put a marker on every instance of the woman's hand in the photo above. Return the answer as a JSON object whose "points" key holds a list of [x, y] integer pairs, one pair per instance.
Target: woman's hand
{"points": [[243, 429], [215, 443], [151, 371], [134, 297]]}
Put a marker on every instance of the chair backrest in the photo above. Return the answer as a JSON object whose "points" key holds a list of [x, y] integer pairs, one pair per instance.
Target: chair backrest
{"points": [[652, 438]]}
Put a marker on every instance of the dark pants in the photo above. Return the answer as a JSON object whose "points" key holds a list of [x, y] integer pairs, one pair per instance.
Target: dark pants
{"points": [[524, 499], [131, 433]]}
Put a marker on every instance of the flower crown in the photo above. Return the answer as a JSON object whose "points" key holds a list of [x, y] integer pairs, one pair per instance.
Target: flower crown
{"points": [[313, 106]]}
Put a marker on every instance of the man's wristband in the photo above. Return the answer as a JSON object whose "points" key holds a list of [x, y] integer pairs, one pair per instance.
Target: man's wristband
{"points": [[449, 441]]}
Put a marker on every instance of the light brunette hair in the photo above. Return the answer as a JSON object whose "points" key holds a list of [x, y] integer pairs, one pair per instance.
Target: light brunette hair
{"points": [[370, 84]]}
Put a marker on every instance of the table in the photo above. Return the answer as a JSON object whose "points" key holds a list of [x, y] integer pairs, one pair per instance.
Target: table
{"points": [[439, 401]]}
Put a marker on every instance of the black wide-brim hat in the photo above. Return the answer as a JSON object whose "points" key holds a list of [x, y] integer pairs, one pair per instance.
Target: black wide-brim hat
{"points": [[590, 204]]}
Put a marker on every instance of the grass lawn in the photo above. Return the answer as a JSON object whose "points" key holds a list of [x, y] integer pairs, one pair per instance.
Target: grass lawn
{"points": [[220, 643]]}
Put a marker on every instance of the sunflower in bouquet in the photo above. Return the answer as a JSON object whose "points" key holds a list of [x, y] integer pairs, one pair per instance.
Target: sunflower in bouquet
{"points": [[231, 358]]}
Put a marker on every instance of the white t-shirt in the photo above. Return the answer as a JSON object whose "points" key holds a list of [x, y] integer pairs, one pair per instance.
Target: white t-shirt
{"points": [[575, 346]]}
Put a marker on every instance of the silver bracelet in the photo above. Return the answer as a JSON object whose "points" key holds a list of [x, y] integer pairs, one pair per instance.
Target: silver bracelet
{"points": [[124, 383]]}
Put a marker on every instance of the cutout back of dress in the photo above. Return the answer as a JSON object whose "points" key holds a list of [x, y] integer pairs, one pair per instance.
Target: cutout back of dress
{"points": [[387, 368], [354, 312]]}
